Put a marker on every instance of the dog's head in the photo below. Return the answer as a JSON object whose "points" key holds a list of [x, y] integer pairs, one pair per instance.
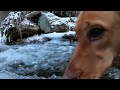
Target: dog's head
{"points": [[98, 35]]}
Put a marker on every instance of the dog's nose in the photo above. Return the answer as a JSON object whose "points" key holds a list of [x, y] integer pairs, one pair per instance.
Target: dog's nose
{"points": [[68, 75]]}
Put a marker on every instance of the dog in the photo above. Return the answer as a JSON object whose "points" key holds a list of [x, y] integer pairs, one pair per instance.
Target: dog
{"points": [[98, 35]]}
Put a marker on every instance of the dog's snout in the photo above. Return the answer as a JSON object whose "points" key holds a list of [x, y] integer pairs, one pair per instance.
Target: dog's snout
{"points": [[69, 75]]}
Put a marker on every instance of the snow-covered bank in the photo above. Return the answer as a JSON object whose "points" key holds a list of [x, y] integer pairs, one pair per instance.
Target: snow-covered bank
{"points": [[51, 23], [15, 23], [54, 36], [16, 26]]}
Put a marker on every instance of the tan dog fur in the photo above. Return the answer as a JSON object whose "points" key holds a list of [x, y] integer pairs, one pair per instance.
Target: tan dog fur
{"points": [[92, 59]]}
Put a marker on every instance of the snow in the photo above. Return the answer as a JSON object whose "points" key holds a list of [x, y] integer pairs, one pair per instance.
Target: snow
{"points": [[12, 20], [65, 21], [9, 19], [9, 22], [2, 39], [56, 37], [55, 20], [51, 17], [27, 22]]}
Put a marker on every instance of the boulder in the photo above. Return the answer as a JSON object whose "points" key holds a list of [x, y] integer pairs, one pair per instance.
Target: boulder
{"points": [[60, 28], [16, 26], [112, 73], [70, 37], [44, 24], [66, 13], [3, 14], [13, 35], [49, 23], [33, 16]]}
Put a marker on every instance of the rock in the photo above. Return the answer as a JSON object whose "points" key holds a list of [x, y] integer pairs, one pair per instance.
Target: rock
{"points": [[55, 77], [33, 16], [13, 35], [60, 28], [44, 24], [41, 40], [66, 13], [112, 73], [13, 18], [3, 14], [49, 23], [16, 26], [46, 39], [70, 37]]}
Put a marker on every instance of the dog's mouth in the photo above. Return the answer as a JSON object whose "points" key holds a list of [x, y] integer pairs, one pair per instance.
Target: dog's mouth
{"points": [[111, 73]]}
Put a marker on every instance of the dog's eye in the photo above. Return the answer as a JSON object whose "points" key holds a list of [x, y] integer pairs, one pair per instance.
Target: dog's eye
{"points": [[96, 33]]}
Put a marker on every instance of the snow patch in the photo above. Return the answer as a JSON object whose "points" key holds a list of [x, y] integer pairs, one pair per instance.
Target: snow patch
{"points": [[27, 22], [55, 20], [53, 36], [13, 20]]}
